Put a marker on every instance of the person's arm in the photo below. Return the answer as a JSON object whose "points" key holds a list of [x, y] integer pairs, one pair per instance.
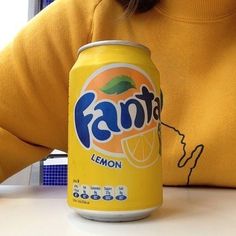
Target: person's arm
{"points": [[34, 71]]}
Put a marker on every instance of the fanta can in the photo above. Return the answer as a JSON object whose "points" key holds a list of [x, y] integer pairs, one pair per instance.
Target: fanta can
{"points": [[114, 166]]}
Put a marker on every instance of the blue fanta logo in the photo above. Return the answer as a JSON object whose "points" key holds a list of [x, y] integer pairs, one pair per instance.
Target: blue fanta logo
{"points": [[113, 107], [90, 114]]}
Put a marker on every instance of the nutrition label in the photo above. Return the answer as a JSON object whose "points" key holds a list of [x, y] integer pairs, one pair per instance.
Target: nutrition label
{"points": [[96, 192], [105, 193], [85, 191], [121, 193]]}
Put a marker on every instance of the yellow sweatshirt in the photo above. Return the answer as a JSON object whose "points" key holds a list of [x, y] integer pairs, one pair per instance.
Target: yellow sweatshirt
{"points": [[193, 44]]}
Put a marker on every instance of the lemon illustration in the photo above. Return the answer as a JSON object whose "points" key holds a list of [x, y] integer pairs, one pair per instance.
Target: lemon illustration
{"points": [[142, 150]]}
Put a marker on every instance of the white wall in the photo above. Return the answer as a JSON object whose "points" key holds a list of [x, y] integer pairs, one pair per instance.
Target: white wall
{"points": [[13, 16]]}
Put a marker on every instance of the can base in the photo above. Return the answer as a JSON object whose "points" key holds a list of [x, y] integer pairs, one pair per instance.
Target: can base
{"points": [[115, 216]]}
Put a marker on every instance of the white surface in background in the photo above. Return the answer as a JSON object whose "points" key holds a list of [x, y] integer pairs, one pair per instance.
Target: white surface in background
{"points": [[43, 211], [27, 176], [57, 152], [56, 161], [13, 16], [21, 178]]}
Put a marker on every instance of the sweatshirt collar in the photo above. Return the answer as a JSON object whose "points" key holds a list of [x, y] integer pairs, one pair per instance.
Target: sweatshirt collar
{"points": [[197, 9]]}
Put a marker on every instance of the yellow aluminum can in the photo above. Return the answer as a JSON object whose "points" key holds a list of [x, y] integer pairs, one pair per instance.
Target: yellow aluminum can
{"points": [[114, 166]]}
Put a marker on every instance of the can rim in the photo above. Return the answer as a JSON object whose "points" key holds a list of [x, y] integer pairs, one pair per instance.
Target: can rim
{"points": [[113, 42]]}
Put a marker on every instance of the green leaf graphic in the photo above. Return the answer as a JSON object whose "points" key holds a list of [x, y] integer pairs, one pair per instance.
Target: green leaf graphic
{"points": [[118, 85]]}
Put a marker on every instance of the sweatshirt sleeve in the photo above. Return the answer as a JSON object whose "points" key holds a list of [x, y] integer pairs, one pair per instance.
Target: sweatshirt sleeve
{"points": [[34, 71]]}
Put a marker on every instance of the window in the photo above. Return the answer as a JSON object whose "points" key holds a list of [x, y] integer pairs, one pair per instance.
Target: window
{"points": [[13, 16]]}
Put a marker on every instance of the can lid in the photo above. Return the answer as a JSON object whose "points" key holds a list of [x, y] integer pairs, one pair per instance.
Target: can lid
{"points": [[113, 42]]}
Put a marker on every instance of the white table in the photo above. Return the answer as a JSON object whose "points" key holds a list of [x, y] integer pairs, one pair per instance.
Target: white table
{"points": [[43, 211]]}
